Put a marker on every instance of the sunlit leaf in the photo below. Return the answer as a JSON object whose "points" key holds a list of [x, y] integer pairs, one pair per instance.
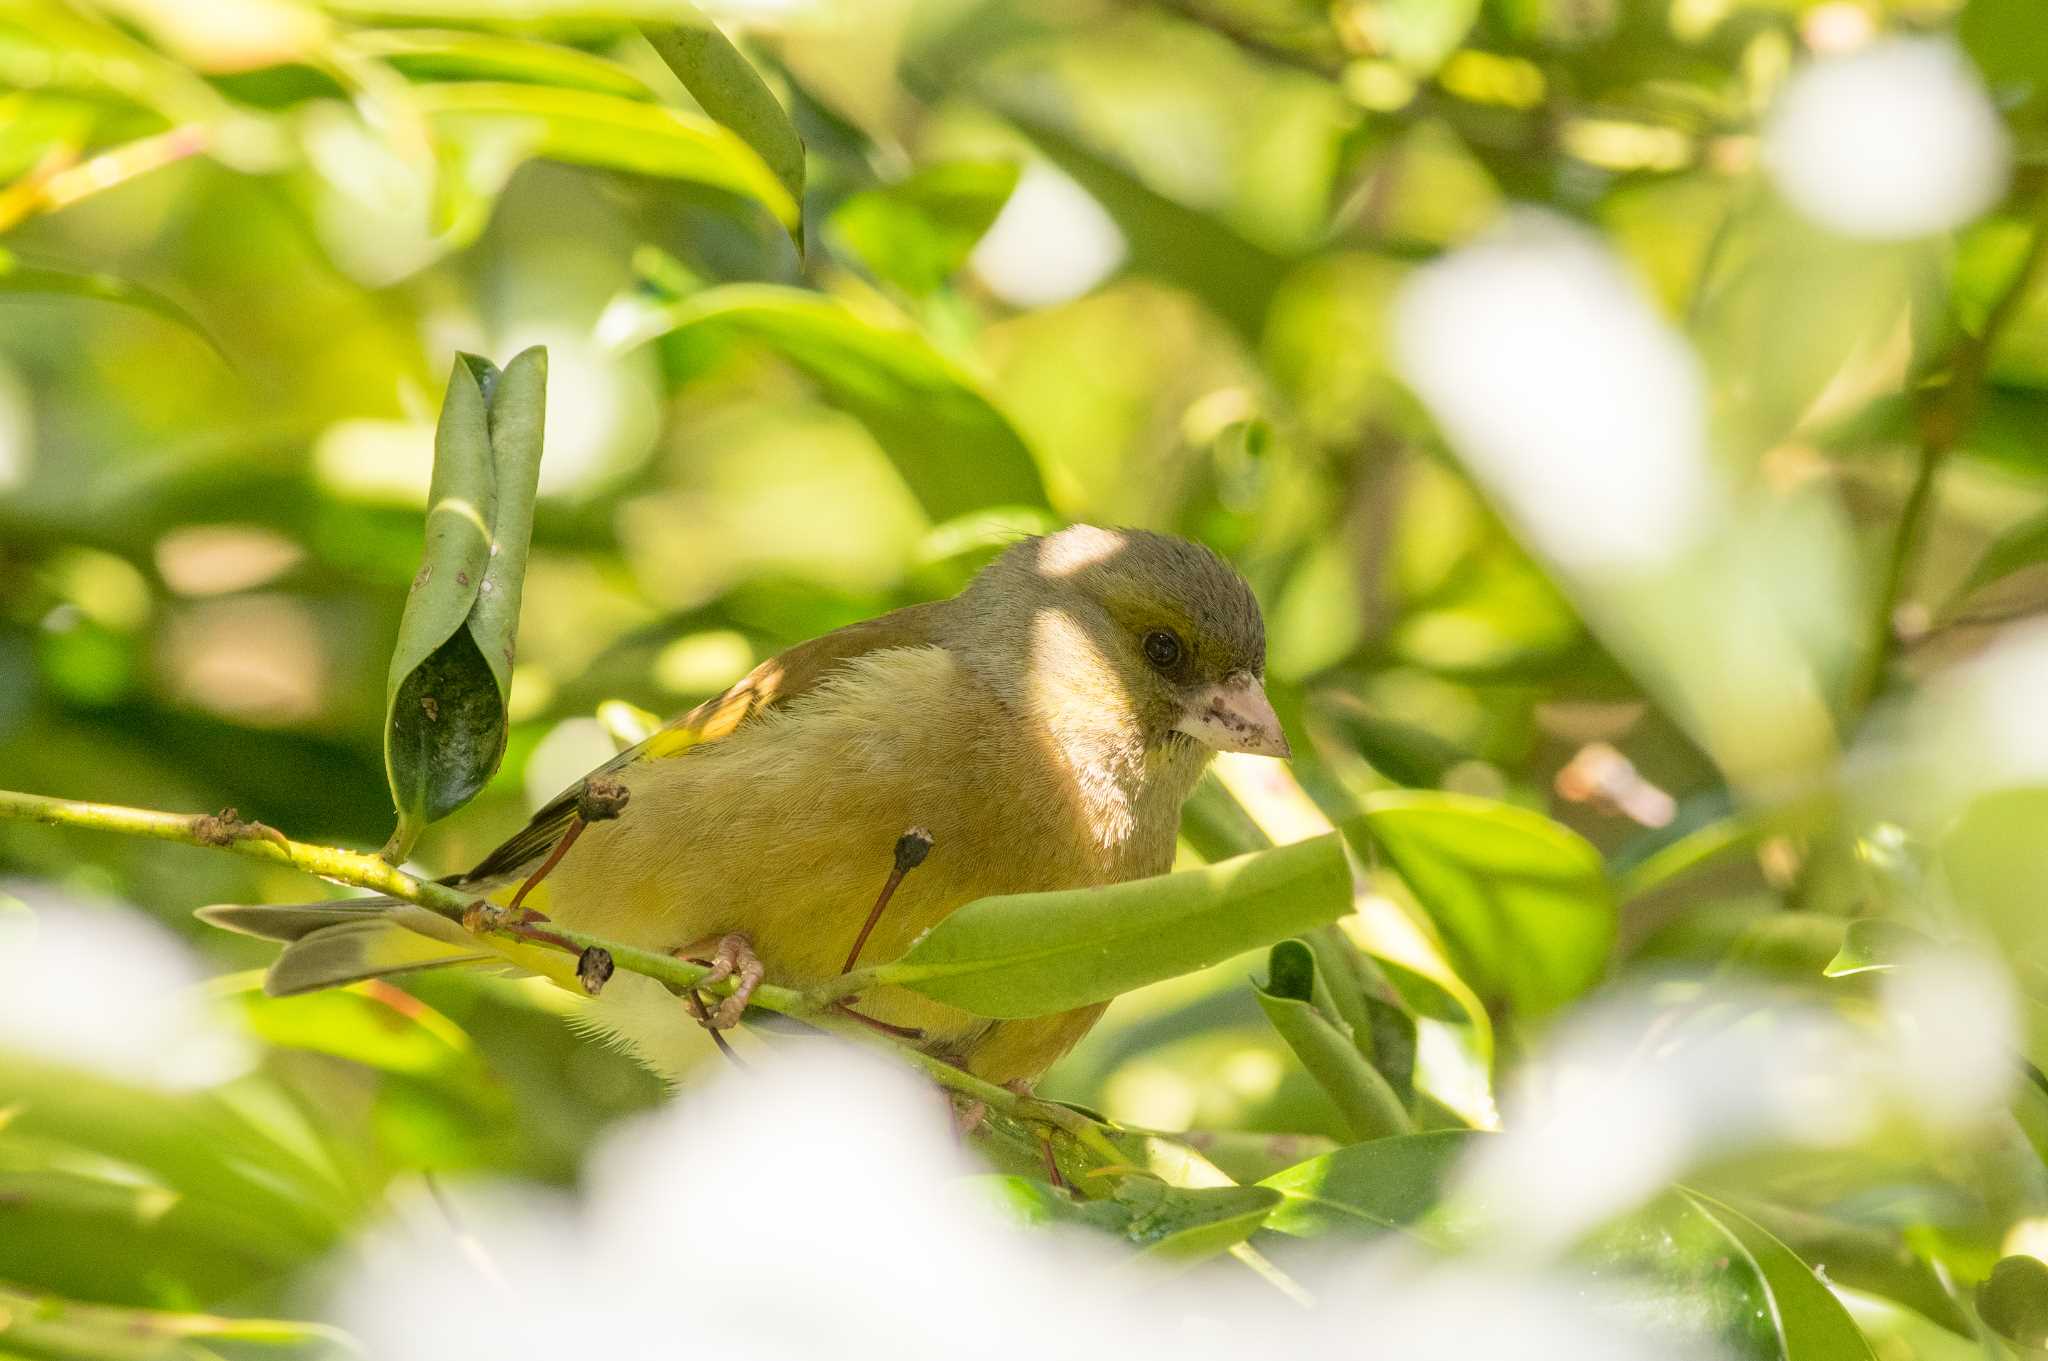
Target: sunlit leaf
{"points": [[728, 88], [452, 666], [49, 1326], [453, 54], [957, 452], [1370, 1188], [588, 128], [1522, 902], [1032, 954], [1170, 1223]]}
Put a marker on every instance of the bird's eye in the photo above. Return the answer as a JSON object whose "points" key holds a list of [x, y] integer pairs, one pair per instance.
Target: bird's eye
{"points": [[1162, 649]]}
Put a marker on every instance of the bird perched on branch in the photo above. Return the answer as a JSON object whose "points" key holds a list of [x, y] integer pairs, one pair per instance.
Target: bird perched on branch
{"points": [[1042, 728]]}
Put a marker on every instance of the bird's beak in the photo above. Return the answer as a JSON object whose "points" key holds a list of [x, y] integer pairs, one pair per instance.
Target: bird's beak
{"points": [[1235, 716]]}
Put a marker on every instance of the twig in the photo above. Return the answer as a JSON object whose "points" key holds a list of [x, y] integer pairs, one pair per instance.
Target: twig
{"points": [[911, 849], [254, 841], [1944, 421]]}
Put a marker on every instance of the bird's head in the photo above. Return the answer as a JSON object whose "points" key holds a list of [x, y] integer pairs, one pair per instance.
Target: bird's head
{"points": [[1131, 633]]}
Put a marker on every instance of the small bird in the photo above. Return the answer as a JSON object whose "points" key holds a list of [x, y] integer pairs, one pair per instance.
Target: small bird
{"points": [[1041, 729]]}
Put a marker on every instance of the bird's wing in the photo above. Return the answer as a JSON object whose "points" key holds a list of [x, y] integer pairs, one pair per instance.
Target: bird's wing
{"points": [[774, 682]]}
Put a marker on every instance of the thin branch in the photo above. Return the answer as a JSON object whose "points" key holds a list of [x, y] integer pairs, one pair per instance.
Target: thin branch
{"points": [[1947, 417], [255, 841]]}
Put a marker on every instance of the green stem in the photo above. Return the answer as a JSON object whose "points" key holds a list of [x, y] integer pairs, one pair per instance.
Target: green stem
{"points": [[254, 841], [1947, 418]]}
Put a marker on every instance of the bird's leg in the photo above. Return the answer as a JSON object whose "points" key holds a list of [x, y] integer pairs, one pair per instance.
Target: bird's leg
{"points": [[732, 956], [911, 849]]}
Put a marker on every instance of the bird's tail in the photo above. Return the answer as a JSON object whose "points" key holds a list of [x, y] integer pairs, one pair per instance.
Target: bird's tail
{"points": [[330, 944]]}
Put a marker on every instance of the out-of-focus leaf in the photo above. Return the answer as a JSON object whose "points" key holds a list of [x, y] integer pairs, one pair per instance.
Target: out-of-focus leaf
{"points": [[1167, 239], [18, 279], [917, 232], [956, 451], [1032, 954], [1366, 1188], [210, 1204], [728, 88], [588, 128], [1170, 1223], [2009, 44], [372, 1024], [451, 669], [1522, 903], [1326, 1046], [2013, 1302], [1812, 1324], [1673, 860], [454, 54], [1872, 943], [2010, 578], [48, 1326]]}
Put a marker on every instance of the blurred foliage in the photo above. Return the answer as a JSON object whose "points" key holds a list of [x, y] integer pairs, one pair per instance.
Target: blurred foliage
{"points": [[1032, 263]]}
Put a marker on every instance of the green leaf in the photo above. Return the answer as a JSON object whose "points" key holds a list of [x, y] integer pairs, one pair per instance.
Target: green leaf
{"points": [[1187, 1224], [21, 280], [956, 451], [48, 1326], [1872, 944], [451, 669], [918, 232], [1522, 902], [1170, 1223], [1366, 1188], [604, 130], [1326, 1046], [728, 88], [2010, 578], [2009, 43], [2013, 1302], [1812, 1324], [454, 54], [1033, 954]]}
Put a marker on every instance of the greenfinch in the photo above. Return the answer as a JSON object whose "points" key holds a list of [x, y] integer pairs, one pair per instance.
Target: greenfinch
{"points": [[1040, 730]]}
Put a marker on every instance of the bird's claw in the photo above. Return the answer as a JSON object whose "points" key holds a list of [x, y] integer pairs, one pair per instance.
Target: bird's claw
{"points": [[731, 957]]}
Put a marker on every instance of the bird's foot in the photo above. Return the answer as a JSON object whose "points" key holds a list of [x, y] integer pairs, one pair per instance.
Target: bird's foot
{"points": [[731, 956]]}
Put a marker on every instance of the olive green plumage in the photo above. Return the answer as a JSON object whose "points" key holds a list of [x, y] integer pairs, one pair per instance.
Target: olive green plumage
{"points": [[1044, 726]]}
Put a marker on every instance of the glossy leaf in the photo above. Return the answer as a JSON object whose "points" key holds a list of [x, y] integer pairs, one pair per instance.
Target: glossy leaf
{"points": [[1370, 1188], [1812, 1324], [1522, 902], [956, 451], [1032, 954], [918, 232], [451, 669], [603, 130], [1326, 1045], [726, 85]]}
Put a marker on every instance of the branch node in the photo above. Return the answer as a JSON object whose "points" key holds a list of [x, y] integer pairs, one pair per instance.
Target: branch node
{"points": [[227, 827], [601, 799], [594, 969]]}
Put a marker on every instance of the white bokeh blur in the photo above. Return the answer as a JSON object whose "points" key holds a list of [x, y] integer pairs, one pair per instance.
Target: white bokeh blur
{"points": [[814, 1205], [105, 989], [1895, 140], [1568, 396], [1632, 1092], [1582, 413], [1050, 244], [1975, 726]]}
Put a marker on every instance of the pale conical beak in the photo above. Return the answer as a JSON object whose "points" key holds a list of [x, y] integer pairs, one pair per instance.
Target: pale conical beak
{"points": [[1235, 716]]}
